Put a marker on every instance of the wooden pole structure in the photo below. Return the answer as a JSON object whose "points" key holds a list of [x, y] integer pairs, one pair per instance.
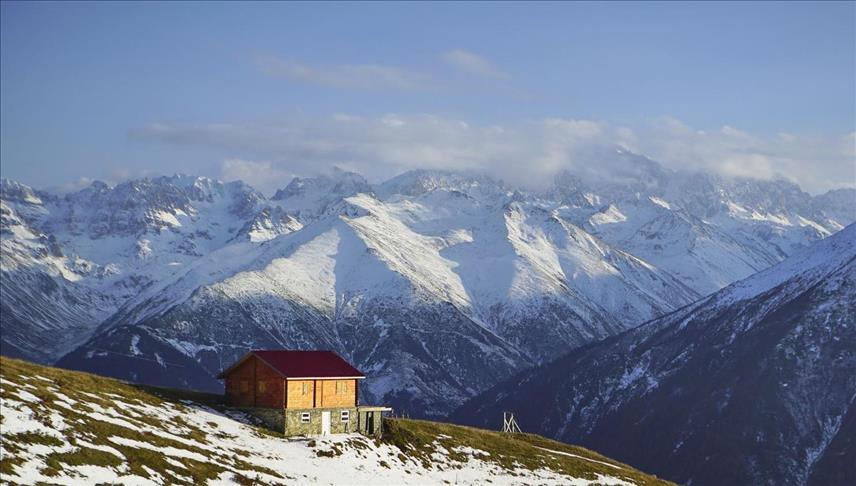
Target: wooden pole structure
{"points": [[509, 425]]}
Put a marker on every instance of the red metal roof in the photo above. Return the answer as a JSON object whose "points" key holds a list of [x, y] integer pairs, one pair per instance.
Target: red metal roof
{"points": [[303, 364]]}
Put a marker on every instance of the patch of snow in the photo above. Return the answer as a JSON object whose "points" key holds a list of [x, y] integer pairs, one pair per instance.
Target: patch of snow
{"points": [[135, 339], [659, 202], [27, 396], [561, 453], [169, 451]]}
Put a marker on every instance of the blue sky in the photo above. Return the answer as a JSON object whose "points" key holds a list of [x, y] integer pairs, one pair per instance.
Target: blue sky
{"points": [[265, 91]]}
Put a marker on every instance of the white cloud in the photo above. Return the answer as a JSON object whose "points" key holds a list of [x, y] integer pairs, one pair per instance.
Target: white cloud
{"points": [[361, 76], [473, 63], [527, 153], [816, 163], [262, 175]]}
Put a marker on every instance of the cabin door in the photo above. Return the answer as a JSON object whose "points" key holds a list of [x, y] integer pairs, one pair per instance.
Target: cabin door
{"points": [[325, 423], [370, 423]]}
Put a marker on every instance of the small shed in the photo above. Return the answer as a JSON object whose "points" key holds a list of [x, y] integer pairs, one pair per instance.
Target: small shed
{"points": [[301, 392]]}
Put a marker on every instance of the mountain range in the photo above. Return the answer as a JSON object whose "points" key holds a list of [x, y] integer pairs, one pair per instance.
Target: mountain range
{"points": [[438, 285], [754, 384]]}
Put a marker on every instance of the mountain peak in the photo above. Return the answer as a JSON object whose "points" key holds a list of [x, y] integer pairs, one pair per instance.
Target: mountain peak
{"points": [[15, 191], [338, 182], [417, 182]]}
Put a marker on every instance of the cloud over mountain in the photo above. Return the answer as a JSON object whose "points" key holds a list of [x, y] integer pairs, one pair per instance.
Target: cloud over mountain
{"points": [[528, 153]]}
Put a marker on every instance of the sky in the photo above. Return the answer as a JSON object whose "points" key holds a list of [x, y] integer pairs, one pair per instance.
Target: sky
{"points": [[266, 91]]}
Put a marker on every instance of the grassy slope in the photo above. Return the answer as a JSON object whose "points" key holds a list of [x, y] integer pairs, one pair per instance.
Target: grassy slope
{"points": [[420, 438], [86, 433]]}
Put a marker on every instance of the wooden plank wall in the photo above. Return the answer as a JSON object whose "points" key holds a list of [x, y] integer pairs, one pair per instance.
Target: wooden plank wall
{"points": [[346, 396], [249, 374], [271, 396], [321, 394], [296, 397], [243, 374]]}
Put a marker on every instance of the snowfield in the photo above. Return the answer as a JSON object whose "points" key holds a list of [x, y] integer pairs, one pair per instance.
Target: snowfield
{"points": [[63, 427]]}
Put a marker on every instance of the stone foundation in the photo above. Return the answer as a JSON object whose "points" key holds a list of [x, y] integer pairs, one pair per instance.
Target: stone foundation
{"points": [[371, 421], [365, 420], [271, 418], [294, 424]]}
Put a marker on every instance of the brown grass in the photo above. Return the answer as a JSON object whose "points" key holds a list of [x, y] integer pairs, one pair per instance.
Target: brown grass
{"points": [[418, 439]]}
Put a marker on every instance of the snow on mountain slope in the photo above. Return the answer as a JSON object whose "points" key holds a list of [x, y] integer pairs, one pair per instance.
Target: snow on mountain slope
{"points": [[269, 223], [399, 303], [754, 384], [836, 207], [308, 198], [540, 265], [40, 295], [69, 262], [336, 285], [699, 253], [706, 230], [62, 427], [417, 183]]}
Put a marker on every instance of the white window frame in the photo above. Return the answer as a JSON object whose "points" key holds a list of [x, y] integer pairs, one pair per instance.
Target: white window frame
{"points": [[345, 416], [305, 417]]}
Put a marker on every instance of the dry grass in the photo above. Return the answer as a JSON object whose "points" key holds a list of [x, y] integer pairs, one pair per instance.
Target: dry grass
{"points": [[418, 439]]}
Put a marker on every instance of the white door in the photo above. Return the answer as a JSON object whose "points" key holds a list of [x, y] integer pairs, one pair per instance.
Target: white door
{"points": [[325, 423]]}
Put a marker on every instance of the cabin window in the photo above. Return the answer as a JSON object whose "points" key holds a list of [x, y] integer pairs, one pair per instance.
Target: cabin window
{"points": [[306, 388], [245, 386], [346, 415], [304, 417], [262, 387]]}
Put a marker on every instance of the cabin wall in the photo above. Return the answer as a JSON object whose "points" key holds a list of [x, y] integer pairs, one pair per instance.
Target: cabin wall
{"points": [[367, 422], [269, 385], [240, 386], [271, 418], [254, 384], [337, 393], [296, 396], [321, 393]]}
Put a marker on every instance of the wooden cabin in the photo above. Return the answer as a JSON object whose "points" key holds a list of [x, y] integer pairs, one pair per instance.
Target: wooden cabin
{"points": [[301, 392]]}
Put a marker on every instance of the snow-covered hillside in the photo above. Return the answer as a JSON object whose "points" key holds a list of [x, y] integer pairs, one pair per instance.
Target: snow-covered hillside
{"points": [[63, 427], [70, 262], [763, 372], [436, 284]]}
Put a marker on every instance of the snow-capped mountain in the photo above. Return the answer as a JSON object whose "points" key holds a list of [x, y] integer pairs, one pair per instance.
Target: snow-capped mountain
{"points": [[42, 298], [406, 305], [706, 230], [437, 284], [754, 384], [70, 262]]}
